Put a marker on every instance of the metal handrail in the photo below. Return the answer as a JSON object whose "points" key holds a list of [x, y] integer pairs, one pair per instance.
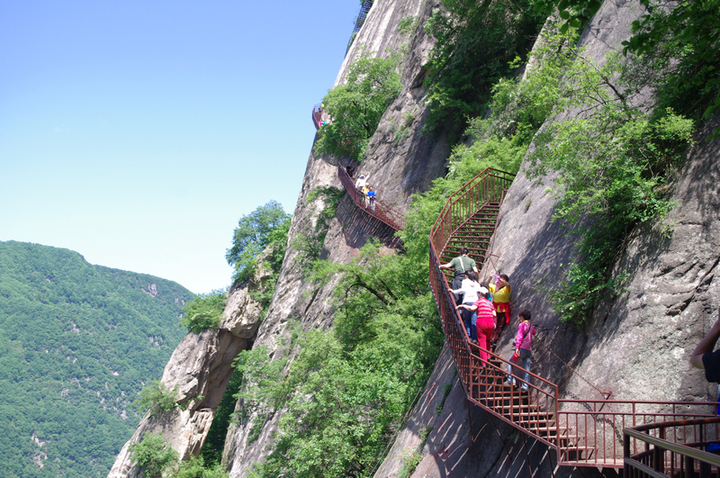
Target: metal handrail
{"points": [[570, 426], [317, 115], [384, 213], [661, 456], [359, 21]]}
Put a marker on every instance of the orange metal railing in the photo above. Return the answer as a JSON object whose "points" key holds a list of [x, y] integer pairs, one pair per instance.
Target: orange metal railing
{"points": [[379, 210], [583, 432]]}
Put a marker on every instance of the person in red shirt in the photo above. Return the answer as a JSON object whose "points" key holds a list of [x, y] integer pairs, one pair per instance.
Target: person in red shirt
{"points": [[485, 324]]}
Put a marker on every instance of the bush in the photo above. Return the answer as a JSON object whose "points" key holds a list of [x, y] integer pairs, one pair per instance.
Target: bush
{"points": [[355, 107], [612, 160], [309, 246], [156, 398], [152, 455], [195, 468], [683, 41], [204, 312], [475, 41]]}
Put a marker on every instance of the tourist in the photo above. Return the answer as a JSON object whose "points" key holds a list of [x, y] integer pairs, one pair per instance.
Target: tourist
{"points": [[361, 181], [501, 300], [364, 191], [371, 197], [471, 291], [485, 324], [704, 358], [523, 351], [461, 265]]}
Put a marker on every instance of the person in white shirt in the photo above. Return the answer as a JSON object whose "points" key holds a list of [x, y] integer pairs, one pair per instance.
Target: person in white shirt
{"points": [[471, 290]]}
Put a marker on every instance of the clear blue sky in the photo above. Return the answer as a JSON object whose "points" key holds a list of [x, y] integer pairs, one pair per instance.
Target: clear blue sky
{"points": [[137, 133]]}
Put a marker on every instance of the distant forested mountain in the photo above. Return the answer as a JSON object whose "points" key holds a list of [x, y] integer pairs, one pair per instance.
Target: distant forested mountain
{"points": [[77, 344]]}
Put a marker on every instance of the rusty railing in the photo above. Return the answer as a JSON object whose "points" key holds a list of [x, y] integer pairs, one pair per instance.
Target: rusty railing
{"points": [[379, 210], [583, 432], [317, 116]]}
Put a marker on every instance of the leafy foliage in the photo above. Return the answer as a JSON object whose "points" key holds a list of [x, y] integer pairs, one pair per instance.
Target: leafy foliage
{"points": [[475, 41], [152, 455], [309, 246], [196, 468], [204, 311], [355, 107], [611, 158], [575, 13], [683, 42], [77, 343], [348, 388], [156, 398], [254, 233]]}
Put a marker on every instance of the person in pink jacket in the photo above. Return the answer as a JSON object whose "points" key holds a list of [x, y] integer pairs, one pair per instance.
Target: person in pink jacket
{"points": [[523, 346]]}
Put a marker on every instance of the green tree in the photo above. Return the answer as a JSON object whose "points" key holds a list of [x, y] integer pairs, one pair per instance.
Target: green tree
{"points": [[348, 388], [475, 41], [152, 455], [196, 468], [204, 311], [683, 42], [355, 107], [611, 157], [254, 233], [156, 398]]}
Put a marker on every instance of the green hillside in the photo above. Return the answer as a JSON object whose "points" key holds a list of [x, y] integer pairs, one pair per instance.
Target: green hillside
{"points": [[77, 344]]}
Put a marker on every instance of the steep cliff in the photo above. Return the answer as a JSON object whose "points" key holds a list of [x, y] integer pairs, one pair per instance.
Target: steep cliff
{"points": [[636, 345], [199, 371], [398, 169]]}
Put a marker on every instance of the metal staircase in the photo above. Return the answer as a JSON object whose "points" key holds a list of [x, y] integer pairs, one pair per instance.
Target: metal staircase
{"points": [[380, 211], [583, 432]]}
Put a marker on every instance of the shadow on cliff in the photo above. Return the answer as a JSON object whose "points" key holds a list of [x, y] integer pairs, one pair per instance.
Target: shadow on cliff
{"points": [[358, 226], [499, 450], [537, 273]]}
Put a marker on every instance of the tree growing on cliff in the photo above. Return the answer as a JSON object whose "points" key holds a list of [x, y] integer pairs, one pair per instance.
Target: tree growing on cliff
{"points": [[152, 455], [204, 312], [355, 107], [475, 41], [266, 225]]}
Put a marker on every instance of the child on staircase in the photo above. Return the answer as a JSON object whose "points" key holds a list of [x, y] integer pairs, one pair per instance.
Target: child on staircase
{"points": [[523, 351]]}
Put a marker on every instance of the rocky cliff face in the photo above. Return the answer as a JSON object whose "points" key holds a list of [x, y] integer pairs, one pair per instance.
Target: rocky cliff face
{"points": [[199, 369], [397, 169], [636, 347]]}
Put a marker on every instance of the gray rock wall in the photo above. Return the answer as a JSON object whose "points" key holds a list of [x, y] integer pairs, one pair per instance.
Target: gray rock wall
{"points": [[637, 346], [397, 168]]}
